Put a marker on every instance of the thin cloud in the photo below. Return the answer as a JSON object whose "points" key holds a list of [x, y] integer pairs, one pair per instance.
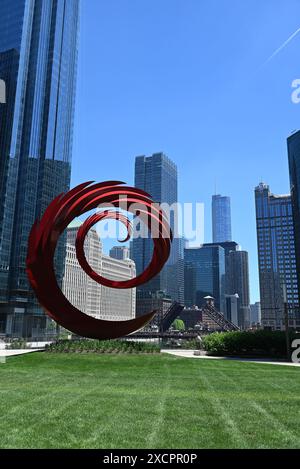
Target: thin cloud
{"points": [[282, 46]]}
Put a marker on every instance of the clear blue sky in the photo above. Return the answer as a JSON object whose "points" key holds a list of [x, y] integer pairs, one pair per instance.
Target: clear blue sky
{"points": [[186, 77]]}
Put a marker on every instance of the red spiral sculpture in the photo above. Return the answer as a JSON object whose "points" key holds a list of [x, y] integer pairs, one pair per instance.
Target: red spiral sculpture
{"points": [[44, 236]]}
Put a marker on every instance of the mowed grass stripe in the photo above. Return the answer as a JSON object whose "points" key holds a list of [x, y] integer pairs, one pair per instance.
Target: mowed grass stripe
{"points": [[282, 433], [230, 424], [140, 401]]}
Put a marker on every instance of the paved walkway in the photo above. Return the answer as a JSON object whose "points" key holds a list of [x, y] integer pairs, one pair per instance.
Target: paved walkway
{"points": [[190, 354], [12, 353], [177, 353]]}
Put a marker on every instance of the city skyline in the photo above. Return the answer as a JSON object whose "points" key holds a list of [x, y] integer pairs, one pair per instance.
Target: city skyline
{"points": [[149, 228], [203, 99], [42, 12]]}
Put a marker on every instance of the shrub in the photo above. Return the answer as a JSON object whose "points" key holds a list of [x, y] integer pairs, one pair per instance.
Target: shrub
{"points": [[17, 344], [102, 346], [192, 344], [257, 344]]}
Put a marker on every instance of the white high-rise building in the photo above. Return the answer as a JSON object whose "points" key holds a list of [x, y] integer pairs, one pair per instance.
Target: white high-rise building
{"points": [[117, 304], [86, 294]]}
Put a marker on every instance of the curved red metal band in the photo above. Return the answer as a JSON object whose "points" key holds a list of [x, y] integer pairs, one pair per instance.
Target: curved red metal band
{"points": [[46, 232]]}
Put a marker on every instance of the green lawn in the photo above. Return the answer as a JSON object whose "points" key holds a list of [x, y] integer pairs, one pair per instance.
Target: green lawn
{"points": [[141, 401]]}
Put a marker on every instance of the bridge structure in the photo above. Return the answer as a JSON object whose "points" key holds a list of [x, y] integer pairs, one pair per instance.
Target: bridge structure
{"points": [[208, 311], [171, 314], [219, 318]]}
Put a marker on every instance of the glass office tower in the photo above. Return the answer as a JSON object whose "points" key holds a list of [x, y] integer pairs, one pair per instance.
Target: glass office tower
{"points": [[238, 271], [228, 246], [205, 275], [236, 280], [221, 219], [157, 175], [38, 61], [293, 143], [276, 258]]}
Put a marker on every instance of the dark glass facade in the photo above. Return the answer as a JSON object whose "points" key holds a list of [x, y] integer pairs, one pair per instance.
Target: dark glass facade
{"points": [[157, 175], [293, 144], [221, 219], [205, 275], [236, 280], [38, 61], [228, 246], [276, 258]]}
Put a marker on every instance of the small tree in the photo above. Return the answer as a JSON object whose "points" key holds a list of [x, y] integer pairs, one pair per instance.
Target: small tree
{"points": [[178, 324]]}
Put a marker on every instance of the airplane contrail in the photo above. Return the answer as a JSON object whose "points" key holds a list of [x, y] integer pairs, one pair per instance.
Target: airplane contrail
{"points": [[282, 46]]}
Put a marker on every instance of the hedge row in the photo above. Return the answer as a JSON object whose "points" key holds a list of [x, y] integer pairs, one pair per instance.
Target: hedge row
{"points": [[257, 344], [101, 346]]}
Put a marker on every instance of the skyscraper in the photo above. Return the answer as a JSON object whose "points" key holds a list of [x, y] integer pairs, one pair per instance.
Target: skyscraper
{"points": [[276, 258], [119, 252], [228, 246], [293, 143], [80, 289], [205, 275], [236, 281], [157, 175], [221, 219], [239, 284], [38, 61], [232, 308], [255, 313]]}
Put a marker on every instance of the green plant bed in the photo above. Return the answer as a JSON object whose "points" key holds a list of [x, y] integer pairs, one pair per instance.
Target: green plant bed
{"points": [[17, 344], [192, 344], [271, 344], [102, 346]]}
